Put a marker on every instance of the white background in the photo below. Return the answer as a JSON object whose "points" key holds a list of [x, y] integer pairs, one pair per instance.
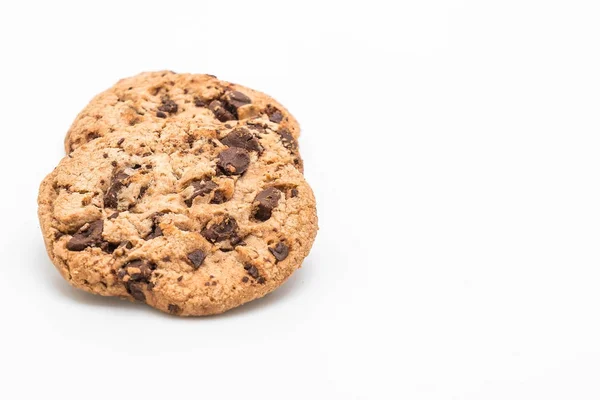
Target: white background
{"points": [[454, 149]]}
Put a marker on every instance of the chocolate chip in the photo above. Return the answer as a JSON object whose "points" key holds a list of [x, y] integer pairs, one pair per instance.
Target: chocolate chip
{"points": [[242, 138], [274, 114], [236, 99], [201, 188], [245, 279], [261, 280], [287, 139], [89, 235], [92, 135], [265, 202], [252, 270], [294, 192], [174, 309], [155, 230], [198, 102], [116, 184], [113, 163], [280, 251], [196, 257], [143, 190], [233, 161], [138, 273], [105, 155], [113, 215], [237, 241], [218, 197], [221, 113], [145, 270], [168, 106], [217, 232], [190, 139], [135, 289], [180, 278], [108, 247], [161, 114], [120, 142], [145, 266]]}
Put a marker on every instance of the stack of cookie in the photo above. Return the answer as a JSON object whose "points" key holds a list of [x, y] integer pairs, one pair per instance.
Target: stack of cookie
{"points": [[181, 191]]}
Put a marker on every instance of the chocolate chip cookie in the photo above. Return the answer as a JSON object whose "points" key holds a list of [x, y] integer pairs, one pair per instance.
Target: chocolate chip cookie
{"points": [[189, 220], [154, 99]]}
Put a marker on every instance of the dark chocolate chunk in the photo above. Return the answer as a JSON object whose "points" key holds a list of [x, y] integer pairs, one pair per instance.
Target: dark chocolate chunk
{"points": [[287, 139], [89, 235], [120, 142], [196, 257], [237, 241], [113, 215], [245, 279], [201, 188], [217, 232], [218, 197], [261, 280], [221, 113], [116, 184], [168, 106], [274, 114], [143, 190], [161, 114], [280, 251], [242, 138], [139, 273], [198, 102], [156, 231], [174, 309], [135, 289], [108, 247], [252, 270], [145, 270], [233, 161], [236, 99], [294, 192], [265, 202]]}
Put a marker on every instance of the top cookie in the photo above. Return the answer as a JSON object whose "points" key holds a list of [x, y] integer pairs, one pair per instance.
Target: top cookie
{"points": [[190, 221], [154, 99]]}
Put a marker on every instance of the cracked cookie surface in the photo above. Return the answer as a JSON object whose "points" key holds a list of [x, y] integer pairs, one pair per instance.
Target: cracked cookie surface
{"points": [[154, 99], [190, 219]]}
